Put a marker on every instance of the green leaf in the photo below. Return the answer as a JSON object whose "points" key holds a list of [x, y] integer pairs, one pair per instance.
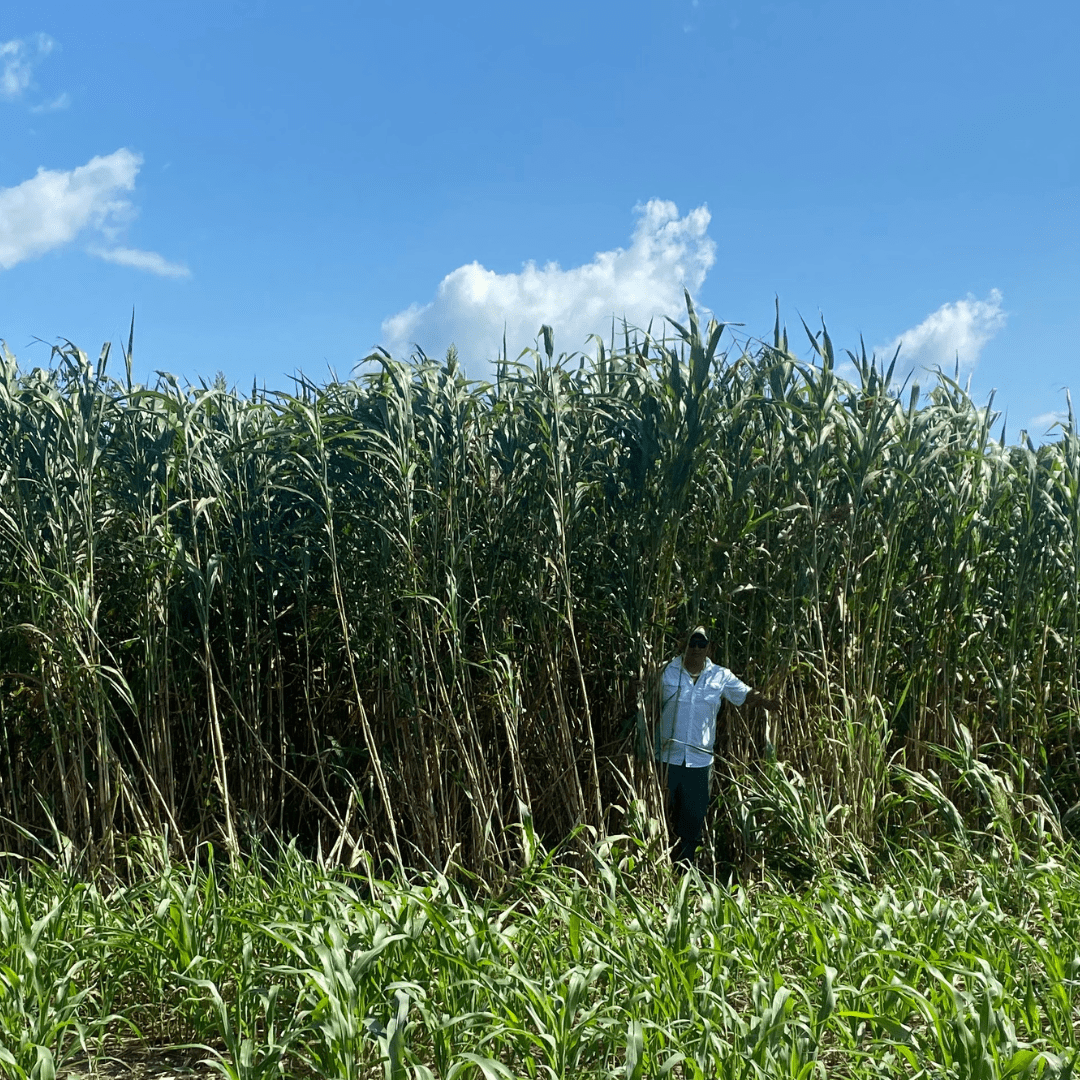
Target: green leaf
{"points": [[45, 1067], [491, 1069], [635, 1051]]}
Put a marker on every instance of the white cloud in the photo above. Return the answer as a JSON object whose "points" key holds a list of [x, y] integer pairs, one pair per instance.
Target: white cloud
{"points": [[954, 331], [54, 207], [1041, 424], [18, 59], [473, 304], [150, 261], [61, 101]]}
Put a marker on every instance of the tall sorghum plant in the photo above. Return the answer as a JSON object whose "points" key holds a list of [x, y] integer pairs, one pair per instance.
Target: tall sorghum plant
{"points": [[421, 615]]}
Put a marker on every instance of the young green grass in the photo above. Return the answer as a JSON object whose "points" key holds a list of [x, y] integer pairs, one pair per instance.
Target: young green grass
{"points": [[942, 965]]}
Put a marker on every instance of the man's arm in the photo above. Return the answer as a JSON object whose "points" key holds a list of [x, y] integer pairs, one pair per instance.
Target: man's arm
{"points": [[766, 748]]}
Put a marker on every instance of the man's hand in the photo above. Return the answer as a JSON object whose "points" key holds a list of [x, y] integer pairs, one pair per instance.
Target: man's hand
{"points": [[769, 703]]}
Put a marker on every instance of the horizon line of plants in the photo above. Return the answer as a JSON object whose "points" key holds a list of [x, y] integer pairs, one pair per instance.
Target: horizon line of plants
{"points": [[395, 612]]}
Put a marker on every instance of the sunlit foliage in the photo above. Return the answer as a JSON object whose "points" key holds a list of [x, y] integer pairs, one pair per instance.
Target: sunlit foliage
{"points": [[395, 613]]}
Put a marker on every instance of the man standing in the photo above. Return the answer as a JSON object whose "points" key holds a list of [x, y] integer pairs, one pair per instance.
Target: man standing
{"points": [[691, 690]]}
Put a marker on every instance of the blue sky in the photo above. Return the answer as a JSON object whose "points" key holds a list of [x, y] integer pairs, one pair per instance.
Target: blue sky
{"points": [[276, 187]]}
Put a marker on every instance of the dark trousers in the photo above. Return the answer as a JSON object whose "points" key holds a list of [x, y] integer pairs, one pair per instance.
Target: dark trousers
{"points": [[688, 788]]}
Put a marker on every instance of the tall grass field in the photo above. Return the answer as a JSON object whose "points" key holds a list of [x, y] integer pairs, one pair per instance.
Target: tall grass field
{"points": [[325, 718]]}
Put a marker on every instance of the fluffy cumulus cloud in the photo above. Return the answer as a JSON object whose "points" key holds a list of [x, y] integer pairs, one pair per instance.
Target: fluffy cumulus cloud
{"points": [[54, 207], [956, 331], [17, 60], [473, 305]]}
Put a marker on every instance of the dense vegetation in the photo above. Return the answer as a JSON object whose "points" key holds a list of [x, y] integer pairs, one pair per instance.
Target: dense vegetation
{"points": [[402, 612], [947, 969]]}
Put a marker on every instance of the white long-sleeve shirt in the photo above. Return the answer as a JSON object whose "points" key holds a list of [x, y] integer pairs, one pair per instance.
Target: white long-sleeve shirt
{"points": [[688, 711]]}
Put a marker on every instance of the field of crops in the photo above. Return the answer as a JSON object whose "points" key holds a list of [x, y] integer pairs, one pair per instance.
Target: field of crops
{"points": [[298, 690], [943, 967], [384, 615]]}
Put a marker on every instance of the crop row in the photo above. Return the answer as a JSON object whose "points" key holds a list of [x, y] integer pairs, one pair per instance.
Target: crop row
{"points": [[278, 967]]}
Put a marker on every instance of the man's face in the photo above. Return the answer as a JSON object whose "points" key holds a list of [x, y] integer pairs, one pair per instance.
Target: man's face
{"points": [[695, 651]]}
